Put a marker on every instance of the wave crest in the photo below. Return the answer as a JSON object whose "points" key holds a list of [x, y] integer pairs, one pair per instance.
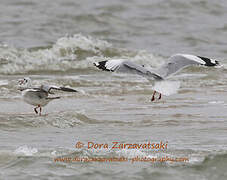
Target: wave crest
{"points": [[65, 54], [68, 53]]}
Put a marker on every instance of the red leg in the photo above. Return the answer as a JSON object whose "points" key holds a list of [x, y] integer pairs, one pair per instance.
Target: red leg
{"points": [[160, 96], [153, 96], [40, 110]]}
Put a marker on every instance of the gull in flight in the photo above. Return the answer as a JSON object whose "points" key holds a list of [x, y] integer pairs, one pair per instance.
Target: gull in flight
{"points": [[174, 64], [38, 96]]}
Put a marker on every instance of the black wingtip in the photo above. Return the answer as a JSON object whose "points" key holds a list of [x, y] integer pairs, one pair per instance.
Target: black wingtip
{"points": [[209, 62], [68, 89], [51, 98], [101, 65]]}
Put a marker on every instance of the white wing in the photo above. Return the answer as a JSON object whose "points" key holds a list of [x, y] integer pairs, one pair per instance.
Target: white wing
{"points": [[179, 61], [49, 89], [126, 66]]}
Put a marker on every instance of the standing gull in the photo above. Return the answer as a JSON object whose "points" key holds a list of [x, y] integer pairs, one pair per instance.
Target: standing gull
{"points": [[174, 64], [38, 96]]}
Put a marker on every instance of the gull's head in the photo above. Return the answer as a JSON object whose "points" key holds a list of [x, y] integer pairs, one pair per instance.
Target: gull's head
{"points": [[25, 82]]}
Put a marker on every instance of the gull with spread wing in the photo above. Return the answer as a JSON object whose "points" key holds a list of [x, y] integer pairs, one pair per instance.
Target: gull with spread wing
{"points": [[39, 96], [174, 64]]}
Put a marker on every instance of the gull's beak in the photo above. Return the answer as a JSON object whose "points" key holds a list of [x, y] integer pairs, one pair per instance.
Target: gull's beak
{"points": [[20, 82]]}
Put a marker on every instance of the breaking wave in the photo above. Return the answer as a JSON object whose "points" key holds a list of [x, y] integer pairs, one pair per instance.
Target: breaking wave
{"points": [[68, 53]]}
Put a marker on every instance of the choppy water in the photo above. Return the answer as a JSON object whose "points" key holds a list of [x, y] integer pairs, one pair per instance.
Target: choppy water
{"points": [[57, 43]]}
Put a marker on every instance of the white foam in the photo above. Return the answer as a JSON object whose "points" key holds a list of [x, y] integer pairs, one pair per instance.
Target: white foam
{"points": [[131, 153], [216, 102], [25, 150], [53, 153], [62, 56], [4, 82], [74, 52], [147, 59], [82, 42]]}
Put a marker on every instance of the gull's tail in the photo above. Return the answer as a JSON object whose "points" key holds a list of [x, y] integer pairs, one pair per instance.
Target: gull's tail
{"points": [[167, 87]]}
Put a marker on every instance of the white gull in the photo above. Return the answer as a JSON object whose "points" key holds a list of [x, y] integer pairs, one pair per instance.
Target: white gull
{"points": [[38, 96], [174, 64]]}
